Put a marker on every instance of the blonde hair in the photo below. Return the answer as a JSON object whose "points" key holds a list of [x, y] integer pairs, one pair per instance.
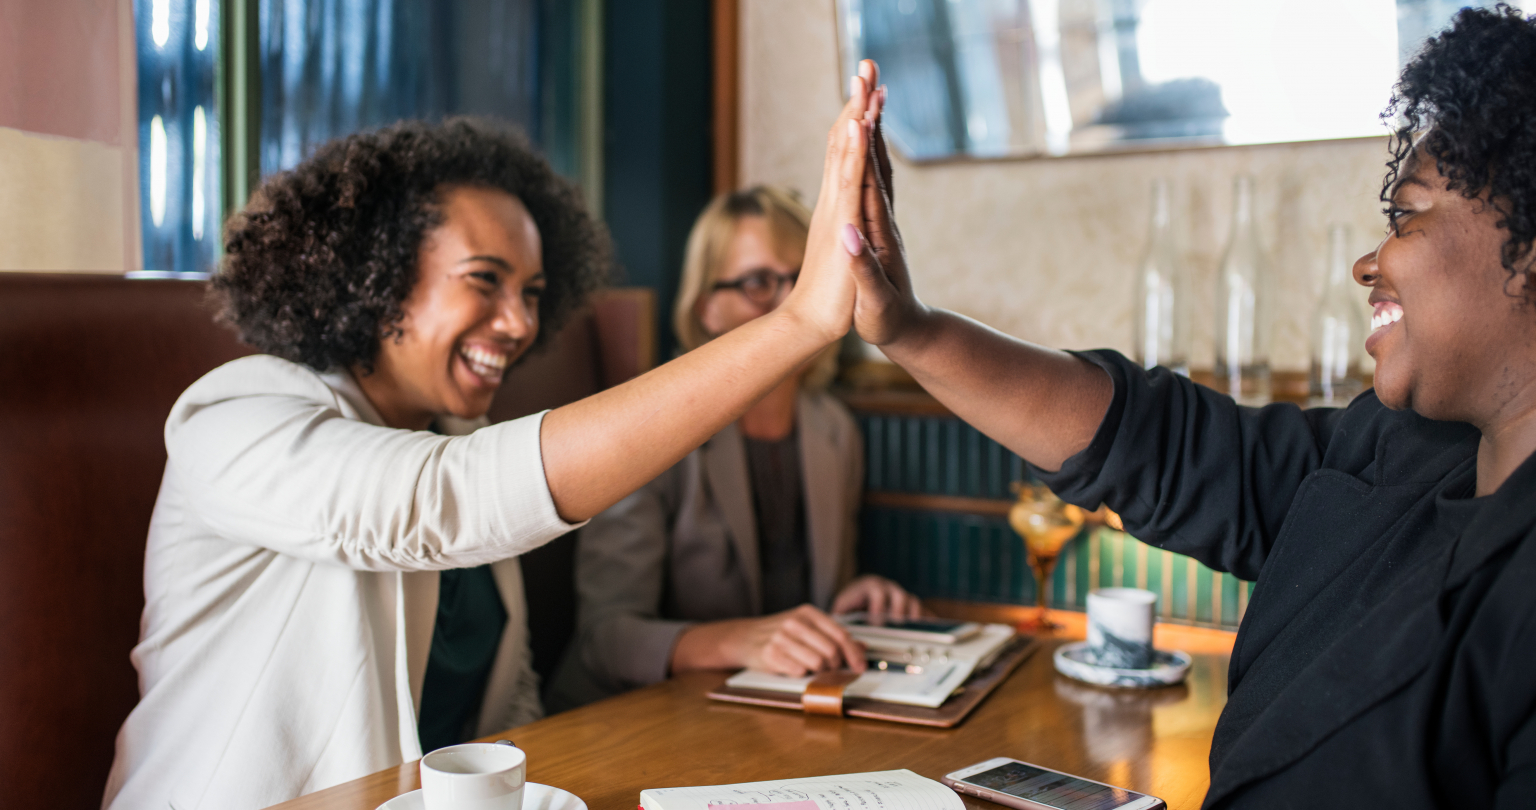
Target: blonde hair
{"points": [[789, 223]]}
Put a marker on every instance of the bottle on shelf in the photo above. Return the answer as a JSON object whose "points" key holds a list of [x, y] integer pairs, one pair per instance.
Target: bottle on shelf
{"points": [[1338, 330], [1242, 306], [1162, 293]]}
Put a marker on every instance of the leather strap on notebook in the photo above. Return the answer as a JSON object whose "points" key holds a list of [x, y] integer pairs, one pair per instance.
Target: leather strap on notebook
{"points": [[824, 694]]}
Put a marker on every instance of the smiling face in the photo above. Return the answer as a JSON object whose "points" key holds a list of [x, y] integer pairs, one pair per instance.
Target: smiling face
{"points": [[752, 251], [474, 310], [1452, 335]]}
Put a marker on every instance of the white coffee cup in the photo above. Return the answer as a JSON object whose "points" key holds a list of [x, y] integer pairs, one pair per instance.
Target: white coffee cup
{"points": [[474, 776], [1120, 627]]}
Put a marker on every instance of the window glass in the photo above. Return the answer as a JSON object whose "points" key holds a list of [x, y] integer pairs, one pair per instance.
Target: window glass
{"points": [[996, 78], [332, 67], [177, 45]]}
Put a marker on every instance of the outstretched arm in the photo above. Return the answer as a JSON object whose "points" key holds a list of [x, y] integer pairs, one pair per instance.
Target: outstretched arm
{"points": [[601, 448], [1041, 403]]}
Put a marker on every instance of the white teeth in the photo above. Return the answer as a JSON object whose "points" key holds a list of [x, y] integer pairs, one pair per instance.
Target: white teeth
{"points": [[484, 363], [1386, 318]]}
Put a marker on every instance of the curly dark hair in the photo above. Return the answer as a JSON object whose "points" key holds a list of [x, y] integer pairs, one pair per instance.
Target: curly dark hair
{"points": [[1471, 92], [317, 265]]}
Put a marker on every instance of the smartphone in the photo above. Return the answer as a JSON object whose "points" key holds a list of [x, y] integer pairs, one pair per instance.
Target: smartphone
{"points": [[933, 631], [1031, 787]]}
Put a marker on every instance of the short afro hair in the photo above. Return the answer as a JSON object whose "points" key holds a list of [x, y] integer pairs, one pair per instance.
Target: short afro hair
{"points": [[1470, 98], [317, 265]]}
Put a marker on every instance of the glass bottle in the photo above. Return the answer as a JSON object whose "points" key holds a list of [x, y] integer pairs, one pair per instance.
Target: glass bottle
{"points": [[1338, 330], [1162, 293], [1242, 307]]}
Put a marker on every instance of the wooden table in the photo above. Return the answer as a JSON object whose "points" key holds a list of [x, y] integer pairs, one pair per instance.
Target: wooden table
{"points": [[669, 735]]}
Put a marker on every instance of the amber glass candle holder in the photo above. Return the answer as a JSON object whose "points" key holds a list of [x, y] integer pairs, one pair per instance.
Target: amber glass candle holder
{"points": [[1046, 523]]}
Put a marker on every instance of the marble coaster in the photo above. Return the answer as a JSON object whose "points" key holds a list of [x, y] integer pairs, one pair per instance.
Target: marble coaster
{"points": [[1077, 661]]}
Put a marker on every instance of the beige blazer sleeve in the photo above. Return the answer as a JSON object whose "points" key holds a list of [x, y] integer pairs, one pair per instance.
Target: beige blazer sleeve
{"points": [[622, 567], [271, 456]]}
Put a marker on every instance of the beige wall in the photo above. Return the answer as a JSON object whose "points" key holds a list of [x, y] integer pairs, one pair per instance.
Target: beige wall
{"points": [[68, 166], [1047, 249]]}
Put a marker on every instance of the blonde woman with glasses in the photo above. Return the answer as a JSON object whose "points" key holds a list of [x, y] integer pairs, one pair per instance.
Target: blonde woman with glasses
{"points": [[735, 556]]}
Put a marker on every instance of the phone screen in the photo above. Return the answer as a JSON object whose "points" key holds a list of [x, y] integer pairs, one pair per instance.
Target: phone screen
{"points": [[920, 625], [1049, 787]]}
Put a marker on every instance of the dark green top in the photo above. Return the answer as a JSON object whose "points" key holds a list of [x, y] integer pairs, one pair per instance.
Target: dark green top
{"points": [[470, 620]]}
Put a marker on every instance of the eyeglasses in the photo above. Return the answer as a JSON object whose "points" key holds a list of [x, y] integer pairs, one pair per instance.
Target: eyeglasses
{"points": [[760, 286]]}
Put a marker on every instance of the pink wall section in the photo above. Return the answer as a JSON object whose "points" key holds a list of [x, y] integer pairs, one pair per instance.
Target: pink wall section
{"points": [[59, 68]]}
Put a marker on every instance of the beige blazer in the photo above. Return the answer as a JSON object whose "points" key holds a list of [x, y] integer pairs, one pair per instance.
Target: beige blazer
{"points": [[683, 549], [291, 586]]}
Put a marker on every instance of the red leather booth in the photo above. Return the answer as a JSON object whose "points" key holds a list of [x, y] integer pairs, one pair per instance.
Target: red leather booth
{"points": [[89, 368]]}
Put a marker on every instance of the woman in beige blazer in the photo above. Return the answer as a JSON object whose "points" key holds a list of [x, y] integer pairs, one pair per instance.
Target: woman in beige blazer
{"points": [[734, 557], [318, 497]]}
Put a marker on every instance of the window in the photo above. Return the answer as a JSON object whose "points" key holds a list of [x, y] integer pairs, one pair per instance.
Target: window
{"points": [[179, 133], [996, 78], [301, 72]]}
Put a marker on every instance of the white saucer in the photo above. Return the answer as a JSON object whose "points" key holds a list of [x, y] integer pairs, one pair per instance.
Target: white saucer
{"points": [[1168, 668], [535, 797]]}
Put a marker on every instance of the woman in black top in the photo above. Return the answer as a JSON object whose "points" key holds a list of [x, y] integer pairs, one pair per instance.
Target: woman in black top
{"points": [[1388, 657]]}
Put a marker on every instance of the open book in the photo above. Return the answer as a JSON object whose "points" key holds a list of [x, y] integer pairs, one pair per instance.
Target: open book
{"points": [[882, 790], [935, 673]]}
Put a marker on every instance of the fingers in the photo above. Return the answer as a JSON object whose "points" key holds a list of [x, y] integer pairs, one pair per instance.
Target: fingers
{"points": [[882, 155], [904, 605], [874, 117], [881, 598], [868, 272], [848, 203], [837, 137], [848, 600], [851, 649], [813, 641], [878, 219], [877, 602], [792, 656]]}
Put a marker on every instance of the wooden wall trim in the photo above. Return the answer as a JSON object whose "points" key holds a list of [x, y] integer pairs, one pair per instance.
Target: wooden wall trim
{"points": [[726, 22], [938, 503], [897, 402], [1289, 386]]}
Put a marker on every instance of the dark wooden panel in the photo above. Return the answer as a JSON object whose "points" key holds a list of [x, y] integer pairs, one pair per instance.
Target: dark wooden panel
{"points": [[611, 341], [89, 369]]}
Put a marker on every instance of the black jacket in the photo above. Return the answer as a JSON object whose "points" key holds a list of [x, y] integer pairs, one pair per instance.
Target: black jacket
{"points": [[1388, 655]]}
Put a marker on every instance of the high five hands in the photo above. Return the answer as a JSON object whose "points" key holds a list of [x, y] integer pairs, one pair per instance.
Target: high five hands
{"points": [[854, 272], [885, 306]]}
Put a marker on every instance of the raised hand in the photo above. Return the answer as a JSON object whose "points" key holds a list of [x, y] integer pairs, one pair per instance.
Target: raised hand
{"points": [[886, 307], [824, 294]]}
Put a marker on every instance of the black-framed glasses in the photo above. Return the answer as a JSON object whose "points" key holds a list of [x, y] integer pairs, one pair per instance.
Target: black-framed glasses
{"points": [[761, 286]]}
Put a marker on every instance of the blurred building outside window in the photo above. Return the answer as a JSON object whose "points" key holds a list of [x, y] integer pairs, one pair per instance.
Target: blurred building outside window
{"points": [[1003, 78], [326, 68], [179, 134]]}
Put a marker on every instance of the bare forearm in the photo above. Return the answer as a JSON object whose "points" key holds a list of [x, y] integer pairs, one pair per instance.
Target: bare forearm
{"points": [[1041, 403], [601, 448]]}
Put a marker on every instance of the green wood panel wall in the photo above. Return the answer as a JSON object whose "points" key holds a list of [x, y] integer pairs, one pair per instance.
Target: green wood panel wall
{"points": [[977, 557]]}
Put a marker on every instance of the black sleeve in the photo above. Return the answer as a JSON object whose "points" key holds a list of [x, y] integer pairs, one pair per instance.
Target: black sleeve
{"points": [[1518, 787], [1512, 701], [1190, 470]]}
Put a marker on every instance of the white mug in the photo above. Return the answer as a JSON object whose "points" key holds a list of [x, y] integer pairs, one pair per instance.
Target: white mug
{"points": [[474, 776], [1120, 627]]}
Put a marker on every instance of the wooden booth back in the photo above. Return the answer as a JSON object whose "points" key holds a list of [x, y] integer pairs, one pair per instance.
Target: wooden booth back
{"points": [[89, 369]]}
